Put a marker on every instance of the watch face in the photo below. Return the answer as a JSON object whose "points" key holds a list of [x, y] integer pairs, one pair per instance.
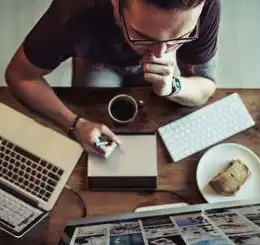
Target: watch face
{"points": [[177, 85]]}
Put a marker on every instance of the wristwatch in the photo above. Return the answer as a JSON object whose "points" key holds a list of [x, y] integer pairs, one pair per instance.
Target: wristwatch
{"points": [[176, 86]]}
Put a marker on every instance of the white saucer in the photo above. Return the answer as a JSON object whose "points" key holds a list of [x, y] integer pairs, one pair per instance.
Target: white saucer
{"points": [[216, 159]]}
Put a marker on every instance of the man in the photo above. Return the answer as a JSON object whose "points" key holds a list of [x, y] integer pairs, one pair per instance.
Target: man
{"points": [[123, 40]]}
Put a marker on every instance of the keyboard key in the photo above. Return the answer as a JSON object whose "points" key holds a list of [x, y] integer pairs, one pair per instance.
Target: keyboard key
{"points": [[42, 192], [49, 188], [49, 166], [55, 169], [52, 182], [10, 174], [29, 163], [44, 171], [4, 142], [47, 195], [60, 172], [20, 180], [43, 185], [43, 163], [53, 176], [21, 173], [10, 145]]}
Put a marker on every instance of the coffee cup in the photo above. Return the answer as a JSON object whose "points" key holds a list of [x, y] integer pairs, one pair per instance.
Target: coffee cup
{"points": [[123, 109]]}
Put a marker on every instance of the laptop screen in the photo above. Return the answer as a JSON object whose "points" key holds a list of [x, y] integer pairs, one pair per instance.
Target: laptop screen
{"points": [[210, 224]]}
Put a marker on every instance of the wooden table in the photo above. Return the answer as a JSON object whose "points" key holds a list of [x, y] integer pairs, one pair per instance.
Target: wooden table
{"points": [[157, 111]]}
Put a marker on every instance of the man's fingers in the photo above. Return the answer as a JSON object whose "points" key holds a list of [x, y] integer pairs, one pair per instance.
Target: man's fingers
{"points": [[105, 130], [98, 150], [157, 69], [154, 78], [165, 60]]}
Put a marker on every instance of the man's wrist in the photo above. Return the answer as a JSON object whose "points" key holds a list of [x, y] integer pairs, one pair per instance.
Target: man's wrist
{"points": [[73, 126]]}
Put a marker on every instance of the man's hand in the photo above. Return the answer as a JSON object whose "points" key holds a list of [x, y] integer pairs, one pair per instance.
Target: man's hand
{"points": [[159, 72], [88, 133]]}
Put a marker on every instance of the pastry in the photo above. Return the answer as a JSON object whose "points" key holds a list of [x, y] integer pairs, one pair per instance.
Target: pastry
{"points": [[230, 180]]}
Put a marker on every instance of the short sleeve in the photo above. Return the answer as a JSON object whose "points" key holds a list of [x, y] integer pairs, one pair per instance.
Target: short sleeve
{"points": [[205, 48], [49, 42]]}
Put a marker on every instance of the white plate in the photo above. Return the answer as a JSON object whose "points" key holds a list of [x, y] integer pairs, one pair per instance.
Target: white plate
{"points": [[216, 159]]}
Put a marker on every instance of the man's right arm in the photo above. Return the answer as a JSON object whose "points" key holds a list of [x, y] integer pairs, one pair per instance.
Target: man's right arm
{"points": [[26, 82]]}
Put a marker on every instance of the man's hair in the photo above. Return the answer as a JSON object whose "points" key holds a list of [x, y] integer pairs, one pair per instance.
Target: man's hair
{"points": [[171, 4]]}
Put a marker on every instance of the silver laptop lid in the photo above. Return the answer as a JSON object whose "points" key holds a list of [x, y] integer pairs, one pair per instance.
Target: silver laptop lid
{"points": [[36, 161]]}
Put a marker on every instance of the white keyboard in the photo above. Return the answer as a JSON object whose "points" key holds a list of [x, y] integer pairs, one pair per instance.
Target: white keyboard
{"points": [[15, 213], [205, 127]]}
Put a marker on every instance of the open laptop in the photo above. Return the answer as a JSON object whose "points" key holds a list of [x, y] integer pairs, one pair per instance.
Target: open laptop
{"points": [[228, 223], [35, 164]]}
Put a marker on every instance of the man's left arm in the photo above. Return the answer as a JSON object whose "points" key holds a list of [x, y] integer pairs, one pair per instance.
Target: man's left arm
{"points": [[196, 83]]}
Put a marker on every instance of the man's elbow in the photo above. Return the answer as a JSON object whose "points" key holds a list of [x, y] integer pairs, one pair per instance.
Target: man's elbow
{"points": [[207, 93], [10, 75]]}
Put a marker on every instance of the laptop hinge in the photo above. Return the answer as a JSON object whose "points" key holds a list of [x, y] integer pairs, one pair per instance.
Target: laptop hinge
{"points": [[19, 195]]}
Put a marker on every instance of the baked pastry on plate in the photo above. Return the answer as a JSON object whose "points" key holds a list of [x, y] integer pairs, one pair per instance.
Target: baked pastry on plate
{"points": [[230, 180]]}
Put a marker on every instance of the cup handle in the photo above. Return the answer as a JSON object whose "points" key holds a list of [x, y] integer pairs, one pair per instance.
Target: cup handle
{"points": [[140, 104]]}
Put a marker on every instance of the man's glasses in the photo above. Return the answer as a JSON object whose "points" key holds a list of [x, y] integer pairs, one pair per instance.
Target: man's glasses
{"points": [[148, 42]]}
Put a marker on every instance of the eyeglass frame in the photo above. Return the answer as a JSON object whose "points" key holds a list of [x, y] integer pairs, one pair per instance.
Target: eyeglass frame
{"points": [[154, 42]]}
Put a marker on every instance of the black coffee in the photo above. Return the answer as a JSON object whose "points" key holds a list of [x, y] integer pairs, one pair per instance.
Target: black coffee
{"points": [[122, 109]]}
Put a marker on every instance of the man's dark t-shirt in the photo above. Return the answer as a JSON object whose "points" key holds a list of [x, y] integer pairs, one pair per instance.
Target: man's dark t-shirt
{"points": [[88, 29]]}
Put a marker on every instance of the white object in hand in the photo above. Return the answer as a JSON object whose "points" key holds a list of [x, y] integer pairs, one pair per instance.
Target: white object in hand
{"points": [[111, 148]]}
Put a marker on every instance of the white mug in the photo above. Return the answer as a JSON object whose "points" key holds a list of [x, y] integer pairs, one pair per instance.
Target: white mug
{"points": [[123, 109]]}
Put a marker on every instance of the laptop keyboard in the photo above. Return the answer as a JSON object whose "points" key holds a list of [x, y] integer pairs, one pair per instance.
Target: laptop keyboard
{"points": [[27, 170], [15, 213]]}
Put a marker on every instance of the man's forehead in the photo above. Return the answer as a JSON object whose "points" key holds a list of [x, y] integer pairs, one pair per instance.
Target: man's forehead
{"points": [[160, 23]]}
